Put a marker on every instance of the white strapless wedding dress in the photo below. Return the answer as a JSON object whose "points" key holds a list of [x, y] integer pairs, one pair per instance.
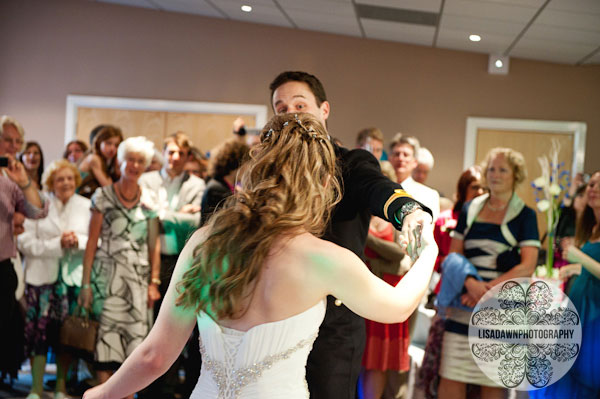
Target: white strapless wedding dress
{"points": [[267, 361]]}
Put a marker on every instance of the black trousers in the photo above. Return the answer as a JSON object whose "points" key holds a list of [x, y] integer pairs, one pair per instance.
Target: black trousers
{"points": [[334, 363], [11, 322], [166, 385]]}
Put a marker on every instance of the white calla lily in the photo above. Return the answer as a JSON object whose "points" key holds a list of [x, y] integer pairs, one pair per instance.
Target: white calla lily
{"points": [[543, 205], [540, 182], [554, 189]]}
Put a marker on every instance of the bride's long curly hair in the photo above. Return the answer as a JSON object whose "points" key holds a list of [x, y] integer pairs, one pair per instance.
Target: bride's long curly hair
{"points": [[288, 186]]}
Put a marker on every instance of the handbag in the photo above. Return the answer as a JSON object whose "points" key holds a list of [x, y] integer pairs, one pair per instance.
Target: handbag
{"points": [[79, 332]]}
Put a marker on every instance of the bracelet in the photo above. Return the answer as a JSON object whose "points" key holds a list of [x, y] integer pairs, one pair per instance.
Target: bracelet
{"points": [[406, 210], [156, 281], [85, 286], [25, 187]]}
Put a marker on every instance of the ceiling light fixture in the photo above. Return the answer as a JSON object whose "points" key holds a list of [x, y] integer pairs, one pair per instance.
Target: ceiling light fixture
{"points": [[246, 8], [498, 64], [475, 38]]}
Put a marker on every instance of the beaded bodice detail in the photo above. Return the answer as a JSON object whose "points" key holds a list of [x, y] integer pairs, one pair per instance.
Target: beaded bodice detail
{"points": [[268, 360], [230, 380]]}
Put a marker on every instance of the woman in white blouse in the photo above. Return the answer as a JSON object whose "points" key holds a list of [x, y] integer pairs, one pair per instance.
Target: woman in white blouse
{"points": [[53, 249]]}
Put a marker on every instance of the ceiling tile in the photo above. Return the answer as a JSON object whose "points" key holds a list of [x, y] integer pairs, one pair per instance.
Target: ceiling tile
{"points": [[421, 5], [595, 59], [581, 6], [331, 16], [481, 26], [555, 33], [343, 7], [459, 40], [263, 12], [549, 50], [331, 23], [189, 6], [521, 3], [399, 32], [319, 10], [486, 9], [569, 19]]}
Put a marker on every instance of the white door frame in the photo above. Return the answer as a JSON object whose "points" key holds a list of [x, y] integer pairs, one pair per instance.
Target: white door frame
{"points": [[259, 112], [576, 129]]}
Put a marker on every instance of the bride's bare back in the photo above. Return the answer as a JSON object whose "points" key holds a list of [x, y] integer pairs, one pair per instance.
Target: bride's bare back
{"points": [[302, 270]]}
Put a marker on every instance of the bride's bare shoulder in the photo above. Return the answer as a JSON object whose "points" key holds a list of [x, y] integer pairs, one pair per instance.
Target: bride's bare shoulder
{"points": [[197, 238], [318, 250]]}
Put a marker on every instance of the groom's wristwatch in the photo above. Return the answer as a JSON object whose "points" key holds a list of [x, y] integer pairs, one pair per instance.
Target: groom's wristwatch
{"points": [[406, 210]]}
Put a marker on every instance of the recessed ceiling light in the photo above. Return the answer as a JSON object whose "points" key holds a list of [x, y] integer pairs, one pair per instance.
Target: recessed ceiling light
{"points": [[474, 38], [246, 8], [499, 63]]}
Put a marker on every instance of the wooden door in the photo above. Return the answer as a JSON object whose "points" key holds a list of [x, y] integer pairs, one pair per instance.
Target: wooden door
{"points": [[206, 130]]}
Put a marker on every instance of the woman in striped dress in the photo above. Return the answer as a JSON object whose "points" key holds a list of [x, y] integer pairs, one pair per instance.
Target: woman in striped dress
{"points": [[490, 225]]}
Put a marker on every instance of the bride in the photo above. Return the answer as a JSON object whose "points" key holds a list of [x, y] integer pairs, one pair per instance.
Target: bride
{"points": [[257, 277]]}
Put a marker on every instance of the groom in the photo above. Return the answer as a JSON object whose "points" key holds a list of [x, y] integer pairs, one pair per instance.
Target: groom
{"points": [[334, 362]]}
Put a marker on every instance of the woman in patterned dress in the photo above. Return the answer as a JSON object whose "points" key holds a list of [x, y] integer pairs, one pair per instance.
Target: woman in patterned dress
{"points": [[123, 282]]}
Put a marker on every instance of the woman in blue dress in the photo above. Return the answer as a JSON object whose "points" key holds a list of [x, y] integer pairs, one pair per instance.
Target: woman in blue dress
{"points": [[582, 381]]}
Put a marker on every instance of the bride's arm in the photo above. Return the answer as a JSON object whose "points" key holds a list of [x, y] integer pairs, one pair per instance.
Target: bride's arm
{"points": [[347, 278], [161, 347]]}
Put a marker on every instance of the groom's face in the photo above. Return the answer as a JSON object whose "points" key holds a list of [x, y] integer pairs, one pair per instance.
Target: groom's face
{"points": [[297, 97]]}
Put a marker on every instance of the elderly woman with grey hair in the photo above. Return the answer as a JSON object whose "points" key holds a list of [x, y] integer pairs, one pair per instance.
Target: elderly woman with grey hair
{"points": [[53, 251], [121, 276]]}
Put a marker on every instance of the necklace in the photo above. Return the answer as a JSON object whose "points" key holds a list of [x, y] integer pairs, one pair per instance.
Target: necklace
{"points": [[124, 197], [496, 209]]}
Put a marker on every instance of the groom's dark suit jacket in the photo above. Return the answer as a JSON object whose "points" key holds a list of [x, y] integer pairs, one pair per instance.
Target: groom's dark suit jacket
{"points": [[334, 362]]}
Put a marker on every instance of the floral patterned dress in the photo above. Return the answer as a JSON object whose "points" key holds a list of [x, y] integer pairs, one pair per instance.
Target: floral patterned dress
{"points": [[120, 277]]}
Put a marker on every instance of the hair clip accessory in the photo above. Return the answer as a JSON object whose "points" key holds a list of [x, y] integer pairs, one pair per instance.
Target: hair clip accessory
{"points": [[286, 123], [299, 122], [267, 135]]}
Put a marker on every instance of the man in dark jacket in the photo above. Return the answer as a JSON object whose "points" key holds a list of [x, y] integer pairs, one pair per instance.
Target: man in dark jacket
{"points": [[334, 362]]}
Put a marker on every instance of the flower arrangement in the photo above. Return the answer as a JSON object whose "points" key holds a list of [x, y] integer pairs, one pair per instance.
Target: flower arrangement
{"points": [[549, 189]]}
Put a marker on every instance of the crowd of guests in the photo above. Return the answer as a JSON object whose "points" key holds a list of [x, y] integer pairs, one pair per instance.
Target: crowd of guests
{"points": [[101, 230], [486, 236]]}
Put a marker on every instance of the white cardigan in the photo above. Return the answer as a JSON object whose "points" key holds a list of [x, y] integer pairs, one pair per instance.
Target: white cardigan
{"points": [[40, 243]]}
